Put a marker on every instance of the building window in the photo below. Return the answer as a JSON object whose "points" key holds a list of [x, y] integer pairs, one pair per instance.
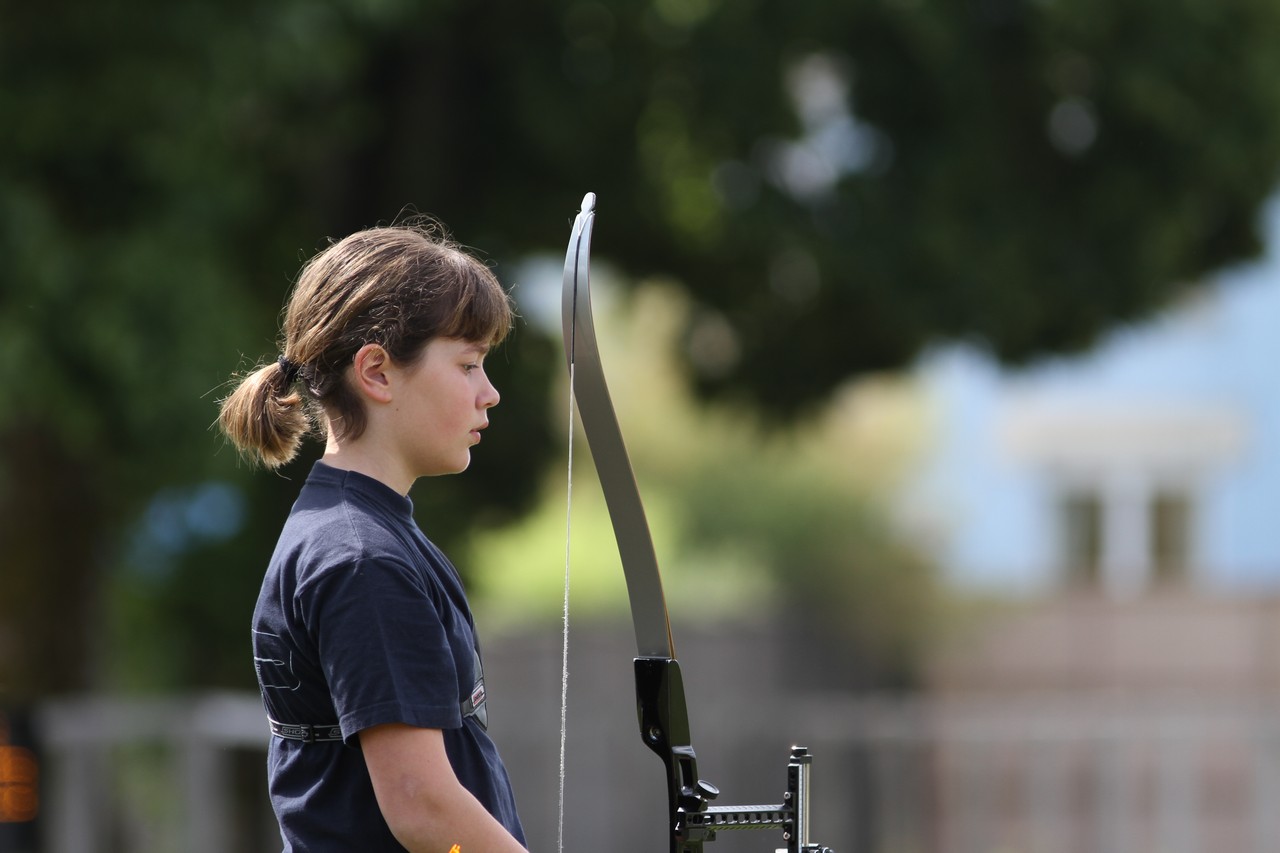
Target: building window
{"points": [[1125, 540], [1170, 536], [1082, 537]]}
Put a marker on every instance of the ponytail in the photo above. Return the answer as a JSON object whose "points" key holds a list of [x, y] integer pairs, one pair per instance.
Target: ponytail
{"points": [[265, 417]]}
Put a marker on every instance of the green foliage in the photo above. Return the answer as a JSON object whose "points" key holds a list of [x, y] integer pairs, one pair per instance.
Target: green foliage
{"points": [[840, 570], [748, 525], [1026, 173], [1032, 174]]}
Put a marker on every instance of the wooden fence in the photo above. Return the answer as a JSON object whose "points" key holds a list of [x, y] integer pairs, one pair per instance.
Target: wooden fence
{"points": [[1049, 773]]}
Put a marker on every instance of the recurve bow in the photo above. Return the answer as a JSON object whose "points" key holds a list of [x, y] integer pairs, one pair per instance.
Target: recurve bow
{"points": [[660, 696]]}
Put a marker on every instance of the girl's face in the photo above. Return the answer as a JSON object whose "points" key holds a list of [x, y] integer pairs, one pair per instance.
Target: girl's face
{"points": [[442, 407]]}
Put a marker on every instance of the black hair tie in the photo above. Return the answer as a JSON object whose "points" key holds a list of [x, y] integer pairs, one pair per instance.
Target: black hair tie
{"points": [[289, 369]]}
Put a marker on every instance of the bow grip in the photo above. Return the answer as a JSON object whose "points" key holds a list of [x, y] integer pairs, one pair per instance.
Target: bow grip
{"points": [[664, 728]]}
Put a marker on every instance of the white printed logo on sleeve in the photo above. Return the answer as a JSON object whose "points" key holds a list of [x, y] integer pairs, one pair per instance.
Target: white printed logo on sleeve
{"points": [[274, 662]]}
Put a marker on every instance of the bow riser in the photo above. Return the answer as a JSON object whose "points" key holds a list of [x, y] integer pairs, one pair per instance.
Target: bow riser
{"points": [[664, 727]]}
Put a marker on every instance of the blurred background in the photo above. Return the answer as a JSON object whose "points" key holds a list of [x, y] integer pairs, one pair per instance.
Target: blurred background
{"points": [[942, 335]]}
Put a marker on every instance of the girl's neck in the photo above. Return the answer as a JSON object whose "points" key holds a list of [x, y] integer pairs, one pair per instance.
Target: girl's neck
{"points": [[364, 457]]}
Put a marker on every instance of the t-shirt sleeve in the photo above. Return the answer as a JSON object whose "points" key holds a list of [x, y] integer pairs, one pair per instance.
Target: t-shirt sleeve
{"points": [[382, 647]]}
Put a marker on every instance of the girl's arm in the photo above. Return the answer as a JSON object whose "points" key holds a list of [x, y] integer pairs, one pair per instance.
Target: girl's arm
{"points": [[424, 804]]}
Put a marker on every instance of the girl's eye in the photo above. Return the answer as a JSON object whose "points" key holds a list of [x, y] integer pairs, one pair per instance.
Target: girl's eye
{"points": [[469, 367]]}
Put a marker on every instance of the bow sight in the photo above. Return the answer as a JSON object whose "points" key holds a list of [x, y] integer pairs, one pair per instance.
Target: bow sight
{"points": [[664, 726]]}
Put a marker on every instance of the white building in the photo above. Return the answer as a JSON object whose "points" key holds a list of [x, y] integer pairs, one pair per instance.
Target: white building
{"points": [[1153, 460]]}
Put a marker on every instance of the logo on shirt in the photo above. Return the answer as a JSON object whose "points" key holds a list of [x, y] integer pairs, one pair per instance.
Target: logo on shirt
{"points": [[274, 662]]}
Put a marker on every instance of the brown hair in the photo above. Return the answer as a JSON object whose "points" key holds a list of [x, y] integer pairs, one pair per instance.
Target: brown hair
{"points": [[399, 286]]}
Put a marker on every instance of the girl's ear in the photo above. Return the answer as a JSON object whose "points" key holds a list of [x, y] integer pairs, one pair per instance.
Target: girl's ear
{"points": [[369, 371]]}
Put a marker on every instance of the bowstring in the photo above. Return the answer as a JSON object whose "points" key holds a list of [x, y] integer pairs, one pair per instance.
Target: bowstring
{"points": [[564, 646]]}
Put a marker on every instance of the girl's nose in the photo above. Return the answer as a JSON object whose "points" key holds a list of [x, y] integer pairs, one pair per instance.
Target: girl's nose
{"points": [[489, 396]]}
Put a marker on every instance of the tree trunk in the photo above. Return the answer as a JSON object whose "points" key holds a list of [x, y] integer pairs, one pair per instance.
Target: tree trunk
{"points": [[51, 559]]}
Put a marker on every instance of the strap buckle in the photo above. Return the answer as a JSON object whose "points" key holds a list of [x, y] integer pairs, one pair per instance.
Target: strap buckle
{"points": [[306, 732]]}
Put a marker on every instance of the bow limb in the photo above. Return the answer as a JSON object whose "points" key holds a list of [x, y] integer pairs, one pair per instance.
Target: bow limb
{"points": [[660, 698], [600, 425]]}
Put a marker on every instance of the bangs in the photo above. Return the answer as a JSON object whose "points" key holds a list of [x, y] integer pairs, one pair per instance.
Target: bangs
{"points": [[482, 310]]}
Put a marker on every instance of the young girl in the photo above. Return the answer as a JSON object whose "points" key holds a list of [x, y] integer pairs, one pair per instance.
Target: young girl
{"points": [[362, 636]]}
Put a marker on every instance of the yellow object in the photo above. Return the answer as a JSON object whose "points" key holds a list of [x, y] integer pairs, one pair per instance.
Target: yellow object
{"points": [[19, 780], [455, 849]]}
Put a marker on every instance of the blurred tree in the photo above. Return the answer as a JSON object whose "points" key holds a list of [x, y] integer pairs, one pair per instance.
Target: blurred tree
{"points": [[164, 170], [840, 184], [836, 183]]}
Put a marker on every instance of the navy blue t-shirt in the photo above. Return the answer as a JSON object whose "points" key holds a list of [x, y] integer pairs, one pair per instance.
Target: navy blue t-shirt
{"points": [[363, 621]]}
